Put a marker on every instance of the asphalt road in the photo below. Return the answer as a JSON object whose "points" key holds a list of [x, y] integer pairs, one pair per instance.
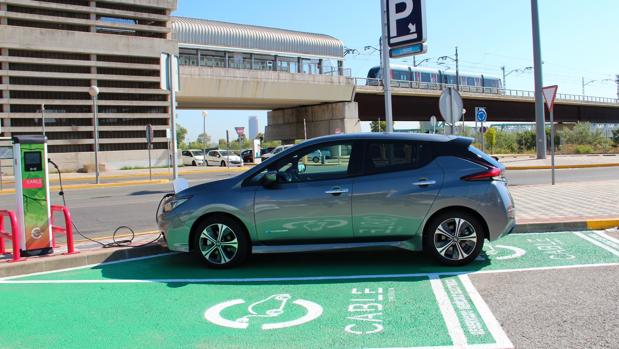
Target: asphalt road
{"points": [[529, 177]]}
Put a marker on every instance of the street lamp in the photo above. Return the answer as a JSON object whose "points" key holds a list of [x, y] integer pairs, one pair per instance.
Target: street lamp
{"points": [[204, 114], [453, 59], [585, 84], [506, 74], [94, 92]]}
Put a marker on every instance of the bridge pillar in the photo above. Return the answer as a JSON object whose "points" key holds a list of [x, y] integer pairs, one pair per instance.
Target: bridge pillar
{"points": [[323, 119]]}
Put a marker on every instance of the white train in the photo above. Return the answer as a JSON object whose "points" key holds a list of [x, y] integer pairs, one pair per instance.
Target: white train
{"points": [[420, 77]]}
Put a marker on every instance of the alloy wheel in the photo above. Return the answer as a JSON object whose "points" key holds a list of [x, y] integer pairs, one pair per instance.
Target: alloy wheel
{"points": [[455, 239], [218, 244]]}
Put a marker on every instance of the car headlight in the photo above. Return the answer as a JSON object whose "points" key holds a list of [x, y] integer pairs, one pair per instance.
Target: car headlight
{"points": [[175, 202]]}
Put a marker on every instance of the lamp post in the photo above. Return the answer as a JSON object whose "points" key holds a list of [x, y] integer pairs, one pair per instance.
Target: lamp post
{"points": [[585, 84], [204, 115], [457, 61], [43, 117], [506, 74], [94, 92], [540, 129]]}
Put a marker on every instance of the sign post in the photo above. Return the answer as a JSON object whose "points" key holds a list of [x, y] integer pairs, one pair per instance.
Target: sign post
{"points": [[550, 93], [403, 34], [450, 105], [170, 82], [150, 134], [481, 115], [433, 123]]}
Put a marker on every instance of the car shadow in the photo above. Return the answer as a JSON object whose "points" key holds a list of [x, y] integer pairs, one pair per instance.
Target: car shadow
{"points": [[180, 269]]}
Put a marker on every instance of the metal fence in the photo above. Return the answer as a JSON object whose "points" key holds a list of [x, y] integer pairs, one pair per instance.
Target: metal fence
{"points": [[483, 90]]}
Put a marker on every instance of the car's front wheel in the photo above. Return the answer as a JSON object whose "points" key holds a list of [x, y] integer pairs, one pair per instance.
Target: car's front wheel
{"points": [[454, 238], [221, 242], [222, 164]]}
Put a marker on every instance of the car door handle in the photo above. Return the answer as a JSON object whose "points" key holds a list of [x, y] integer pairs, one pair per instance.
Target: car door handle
{"points": [[424, 182], [336, 191]]}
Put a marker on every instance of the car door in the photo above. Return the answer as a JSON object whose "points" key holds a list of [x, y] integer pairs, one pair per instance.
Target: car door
{"points": [[212, 158], [311, 201], [186, 157], [399, 184]]}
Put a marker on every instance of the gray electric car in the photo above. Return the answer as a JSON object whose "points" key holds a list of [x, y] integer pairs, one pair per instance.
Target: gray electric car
{"points": [[417, 192]]}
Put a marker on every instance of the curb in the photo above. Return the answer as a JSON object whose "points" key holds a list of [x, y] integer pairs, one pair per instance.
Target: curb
{"points": [[101, 185], [560, 167], [43, 264], [592, 224]]}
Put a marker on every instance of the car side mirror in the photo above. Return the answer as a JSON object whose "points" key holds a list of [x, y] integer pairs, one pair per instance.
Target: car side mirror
{"points": [[269, 179]]}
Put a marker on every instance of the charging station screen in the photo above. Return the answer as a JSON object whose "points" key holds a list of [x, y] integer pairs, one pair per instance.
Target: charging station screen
{"points": [[32, 161]]}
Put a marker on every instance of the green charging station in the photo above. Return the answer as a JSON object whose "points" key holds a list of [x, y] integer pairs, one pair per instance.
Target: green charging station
{"points": [[32, 193]]}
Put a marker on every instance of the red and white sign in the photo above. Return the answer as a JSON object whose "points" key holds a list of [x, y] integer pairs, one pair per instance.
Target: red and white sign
{"points": [[32, 183], [240, 131], [338, 131], [550, 93]]}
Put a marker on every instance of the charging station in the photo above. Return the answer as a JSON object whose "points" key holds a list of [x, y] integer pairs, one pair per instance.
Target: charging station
{"points": [[32, 194]]}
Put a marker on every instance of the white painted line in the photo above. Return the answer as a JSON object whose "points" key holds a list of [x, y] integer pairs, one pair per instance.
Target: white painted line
{"points": [[88, 266], [597, 243], [492, 324], [606, 236], [447, 310], [301, 278]]}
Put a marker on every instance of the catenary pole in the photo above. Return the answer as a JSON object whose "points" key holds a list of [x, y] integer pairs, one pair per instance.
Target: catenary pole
{"points": [[386, 69], [540, 131]]}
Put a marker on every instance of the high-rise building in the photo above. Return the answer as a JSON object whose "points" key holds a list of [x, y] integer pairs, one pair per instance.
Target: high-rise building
{"points": [[253, 126], [52, 51]]}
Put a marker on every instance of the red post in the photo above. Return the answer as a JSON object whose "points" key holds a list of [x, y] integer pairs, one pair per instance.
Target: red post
{"points": [[14, 236], [67, 230]]}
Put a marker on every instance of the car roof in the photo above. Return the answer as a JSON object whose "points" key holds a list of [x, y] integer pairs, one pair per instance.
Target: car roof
{"points": [[424, 137]]}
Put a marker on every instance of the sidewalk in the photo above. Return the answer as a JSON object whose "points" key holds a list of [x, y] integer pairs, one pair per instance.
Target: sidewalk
{"points": [[529, 162], [567, 206]]}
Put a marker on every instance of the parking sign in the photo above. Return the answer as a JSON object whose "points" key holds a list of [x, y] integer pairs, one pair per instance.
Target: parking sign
{"points": [[406, 22]]}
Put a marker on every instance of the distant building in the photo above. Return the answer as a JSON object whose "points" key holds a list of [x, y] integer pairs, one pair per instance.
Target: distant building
{"points": [[253, 127]]}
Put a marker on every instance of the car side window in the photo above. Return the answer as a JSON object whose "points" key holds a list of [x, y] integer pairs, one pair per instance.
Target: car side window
{"points": [[395, 156], [186, 153], [321, 162]]}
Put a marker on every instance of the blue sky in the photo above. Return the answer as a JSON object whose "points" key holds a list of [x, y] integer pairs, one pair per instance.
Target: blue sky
{"points": [[579, 39]]}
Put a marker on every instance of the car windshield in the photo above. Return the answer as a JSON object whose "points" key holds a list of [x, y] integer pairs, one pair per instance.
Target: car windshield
{"points": [[226, 153], [196, 152]]}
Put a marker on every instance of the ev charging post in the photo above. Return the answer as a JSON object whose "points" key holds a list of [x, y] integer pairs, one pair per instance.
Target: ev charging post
{"points": [[403, 34], [550, 93], [32, 194]]}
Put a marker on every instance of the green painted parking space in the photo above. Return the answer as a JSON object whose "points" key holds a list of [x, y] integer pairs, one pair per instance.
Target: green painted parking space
{"points": [[378, 299]]}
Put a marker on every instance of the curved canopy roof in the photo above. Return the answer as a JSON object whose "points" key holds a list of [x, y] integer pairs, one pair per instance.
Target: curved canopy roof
{"points": [[218, 35]]}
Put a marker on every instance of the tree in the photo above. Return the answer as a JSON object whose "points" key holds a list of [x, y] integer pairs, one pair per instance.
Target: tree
{"points": [[374, 126], [259, 135], [204, 138], [181, 133], [490, 138], [616, 137]]}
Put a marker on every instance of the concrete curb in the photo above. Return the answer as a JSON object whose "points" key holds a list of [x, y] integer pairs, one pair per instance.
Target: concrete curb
{"points": [[101, 185], [42, 264], [560, 167], [591, 224]]}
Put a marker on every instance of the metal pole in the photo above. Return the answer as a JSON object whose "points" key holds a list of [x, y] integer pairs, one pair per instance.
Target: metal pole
{"points": [[96, 122], [457, 71], [483, 138], [583, 86], [172, 76], [539, 97], [304, 129], [552, 145], [386, 68], [504, 77], [43, 117], [204, 114], [150, 166]]}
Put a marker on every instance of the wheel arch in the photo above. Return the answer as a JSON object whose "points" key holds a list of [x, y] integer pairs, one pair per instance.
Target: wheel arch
{"points": [[459, 209], [194, 227]]}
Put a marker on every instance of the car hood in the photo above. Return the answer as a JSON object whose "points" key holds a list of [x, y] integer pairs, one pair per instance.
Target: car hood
{"points": [[210, 187], [233, 157]]}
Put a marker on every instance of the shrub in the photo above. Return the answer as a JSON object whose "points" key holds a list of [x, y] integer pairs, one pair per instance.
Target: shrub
{"points": [[584, 149], [616, 137]]}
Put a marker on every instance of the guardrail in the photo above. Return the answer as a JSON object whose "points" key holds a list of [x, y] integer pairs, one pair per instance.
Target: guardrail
{"points": [[477, 89]]}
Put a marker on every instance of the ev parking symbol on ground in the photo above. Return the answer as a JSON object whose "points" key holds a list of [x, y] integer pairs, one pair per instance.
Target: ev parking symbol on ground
{"points": [[273, 307]]}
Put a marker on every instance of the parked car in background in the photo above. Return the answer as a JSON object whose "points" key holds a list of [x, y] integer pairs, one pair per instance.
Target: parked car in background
{"points": [[223, 158], [277, 150], [319, 155], [418, 192], [193, 157], [247, 155]]}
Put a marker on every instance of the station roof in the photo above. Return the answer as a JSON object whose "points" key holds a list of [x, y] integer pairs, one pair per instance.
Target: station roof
{"points": [[201, 33]]}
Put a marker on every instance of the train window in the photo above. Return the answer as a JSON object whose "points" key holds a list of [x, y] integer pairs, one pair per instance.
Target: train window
{"points": [[400, 75], [434, 77], [451, 79], [425, 77], [470, 81]]}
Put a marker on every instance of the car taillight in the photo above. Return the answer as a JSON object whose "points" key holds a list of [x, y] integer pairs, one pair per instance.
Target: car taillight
{"points": [[489, 174]]}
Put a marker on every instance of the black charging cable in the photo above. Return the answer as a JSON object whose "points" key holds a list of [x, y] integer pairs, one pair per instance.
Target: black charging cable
{"points": [[114, 243]]}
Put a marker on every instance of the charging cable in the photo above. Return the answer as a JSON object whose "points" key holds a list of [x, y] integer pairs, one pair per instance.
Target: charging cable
{"points": [[114, 243]]}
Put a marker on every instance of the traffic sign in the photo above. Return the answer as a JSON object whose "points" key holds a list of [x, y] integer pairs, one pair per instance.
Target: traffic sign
{"points": [[150, 133], [408, 50], [550, 93], [338, 131], [450, 105], [406, 22], [481, 114]]}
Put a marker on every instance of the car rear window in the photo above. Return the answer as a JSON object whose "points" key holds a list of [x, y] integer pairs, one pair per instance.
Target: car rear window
{"points": [[394, 156], [485, 157]]}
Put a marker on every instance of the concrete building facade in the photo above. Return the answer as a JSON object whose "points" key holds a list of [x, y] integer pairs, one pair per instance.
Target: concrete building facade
{"points": [[52, 51]]}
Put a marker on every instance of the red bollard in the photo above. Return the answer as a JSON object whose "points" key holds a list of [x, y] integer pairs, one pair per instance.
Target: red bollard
{"points": [[67, 230], [14, 236]]}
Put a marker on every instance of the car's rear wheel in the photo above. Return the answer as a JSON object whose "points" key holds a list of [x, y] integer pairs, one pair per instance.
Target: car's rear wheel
{"points": [[454, 238], [222, 164], [221, 242], [194, 163], [316, 159]]}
